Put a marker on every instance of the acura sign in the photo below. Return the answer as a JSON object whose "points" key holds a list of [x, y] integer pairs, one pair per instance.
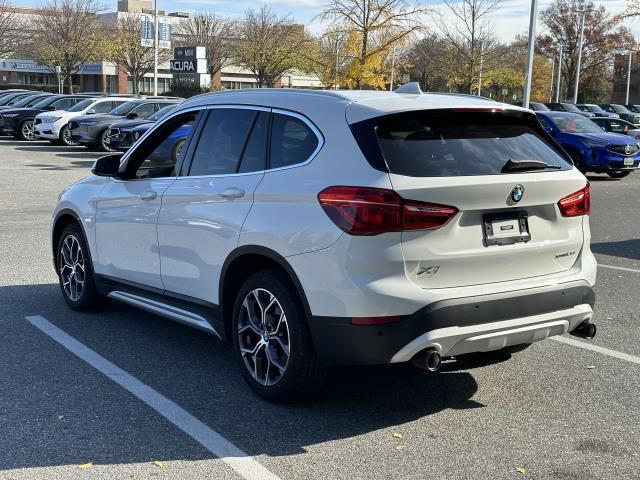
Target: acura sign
{"points": [[198, 65]]}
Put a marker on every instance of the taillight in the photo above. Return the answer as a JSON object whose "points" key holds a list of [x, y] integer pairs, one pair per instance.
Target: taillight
{"points": [[371, 211], [578, 203]]}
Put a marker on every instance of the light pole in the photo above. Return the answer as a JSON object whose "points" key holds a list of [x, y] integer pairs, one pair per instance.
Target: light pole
{"points": [[553, 66], [481, 65], [582, 10], [559, 73], [155, 47], [626, 102], [335, 76], [393, 64], [530, 51]]}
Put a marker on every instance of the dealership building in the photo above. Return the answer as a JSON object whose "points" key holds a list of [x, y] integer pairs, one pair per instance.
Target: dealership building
{"points": [[107, 77]]}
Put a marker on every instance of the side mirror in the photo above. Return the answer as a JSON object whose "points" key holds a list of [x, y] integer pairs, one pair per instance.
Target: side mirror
{"points": [[91, 112], [107, 166], [49, 107], [132, 115]]}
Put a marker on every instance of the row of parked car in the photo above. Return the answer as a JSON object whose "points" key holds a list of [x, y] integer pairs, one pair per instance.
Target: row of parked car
{"points": [[95, 120], [603, 138]]}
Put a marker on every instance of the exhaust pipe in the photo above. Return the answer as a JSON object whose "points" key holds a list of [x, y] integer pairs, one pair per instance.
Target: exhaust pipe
{"points": [[585, 330], [429, 360]]}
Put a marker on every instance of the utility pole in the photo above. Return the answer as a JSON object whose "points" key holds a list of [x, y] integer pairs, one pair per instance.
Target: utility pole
{"points": [[335, 79], [155, 47], [582, 10], [530, 52], [393, 64], [559, 73], [626, 102], [553, 65], [481, 65]]}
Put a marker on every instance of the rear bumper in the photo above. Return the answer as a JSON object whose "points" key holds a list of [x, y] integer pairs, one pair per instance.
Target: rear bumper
{"points": [[457, 326]]}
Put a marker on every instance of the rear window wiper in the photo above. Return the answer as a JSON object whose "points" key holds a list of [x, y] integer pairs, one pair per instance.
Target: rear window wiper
{"points": [[527, 165]]}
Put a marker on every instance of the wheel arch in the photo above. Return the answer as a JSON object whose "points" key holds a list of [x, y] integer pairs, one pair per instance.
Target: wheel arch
{"points": [[241, 263], [62, 219]]}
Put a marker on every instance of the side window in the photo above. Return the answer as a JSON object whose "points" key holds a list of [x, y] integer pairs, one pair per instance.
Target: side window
{"points": [[64, 103], [157, 155], [145, 110], [222, 141], [292, 141], [616, 126], [255, 153], [544, 122], [102, 107]]}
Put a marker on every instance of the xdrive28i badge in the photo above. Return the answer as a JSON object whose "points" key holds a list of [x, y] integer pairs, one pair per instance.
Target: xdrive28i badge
{"points": [[516, 193]]}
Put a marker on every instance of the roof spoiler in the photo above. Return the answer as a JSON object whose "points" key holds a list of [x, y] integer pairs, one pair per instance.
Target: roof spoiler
{"points": [[412, 88]]}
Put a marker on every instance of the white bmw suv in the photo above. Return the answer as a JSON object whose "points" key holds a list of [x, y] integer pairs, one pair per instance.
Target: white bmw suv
{"points": [[317, 228]]}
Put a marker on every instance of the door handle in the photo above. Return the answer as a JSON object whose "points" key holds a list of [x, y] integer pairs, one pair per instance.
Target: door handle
{"points": [[148, 195], [232, 192]]}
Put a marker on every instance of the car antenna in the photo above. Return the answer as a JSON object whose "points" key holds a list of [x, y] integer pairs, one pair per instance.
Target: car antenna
{"points": [[410, 88]]}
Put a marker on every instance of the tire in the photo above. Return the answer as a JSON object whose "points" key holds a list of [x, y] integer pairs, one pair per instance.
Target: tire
{"points": [[65, 137], [575, 156], [101, 143], [26, 131], [74, 267], [619, 173], [272, 373], [177, 149]]}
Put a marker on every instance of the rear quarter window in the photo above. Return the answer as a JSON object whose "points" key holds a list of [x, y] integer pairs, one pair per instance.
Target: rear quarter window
{"points": [[442, 143]]}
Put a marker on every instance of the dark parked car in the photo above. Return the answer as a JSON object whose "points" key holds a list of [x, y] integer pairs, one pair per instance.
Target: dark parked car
{"points": [[92, 130], [538, 107], [596, 110], [10, 101], [592, 149], [617, 125], [11, 91], [567, 107], [123, 134], [623, 111], [19, 121], [633, 108]]}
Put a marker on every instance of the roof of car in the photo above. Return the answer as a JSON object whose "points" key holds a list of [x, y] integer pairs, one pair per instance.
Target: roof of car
{"points": [[362, 103]]}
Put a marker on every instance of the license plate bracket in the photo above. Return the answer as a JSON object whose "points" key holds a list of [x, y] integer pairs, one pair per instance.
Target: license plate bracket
{"points": [[506, 228], [628, 162]]}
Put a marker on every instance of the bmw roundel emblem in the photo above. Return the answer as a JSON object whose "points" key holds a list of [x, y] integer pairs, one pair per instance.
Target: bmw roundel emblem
{"points": [[516, 193]]}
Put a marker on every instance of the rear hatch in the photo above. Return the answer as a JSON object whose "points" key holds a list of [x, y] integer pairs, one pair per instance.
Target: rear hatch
{"points": [[504, 176]]}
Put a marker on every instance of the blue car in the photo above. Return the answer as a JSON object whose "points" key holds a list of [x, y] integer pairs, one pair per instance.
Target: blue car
{"points": [[592, 149]]}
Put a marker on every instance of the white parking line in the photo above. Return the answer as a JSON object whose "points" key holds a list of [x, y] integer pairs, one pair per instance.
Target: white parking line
{"points": [[595, 348], [624, 269], [240, 461]]}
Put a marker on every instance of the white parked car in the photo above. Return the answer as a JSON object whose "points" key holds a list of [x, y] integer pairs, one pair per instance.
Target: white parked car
{"points": [[317, 228], [54, 126]]}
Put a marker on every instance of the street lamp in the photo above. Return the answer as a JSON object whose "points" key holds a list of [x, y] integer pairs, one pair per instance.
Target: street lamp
{"points": [[626, 102], [530, 51], [561, 46], [155, 47], [581, 10], [553, 67]]}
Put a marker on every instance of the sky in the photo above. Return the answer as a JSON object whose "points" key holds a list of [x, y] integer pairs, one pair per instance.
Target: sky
{"points": [[510, 20]]}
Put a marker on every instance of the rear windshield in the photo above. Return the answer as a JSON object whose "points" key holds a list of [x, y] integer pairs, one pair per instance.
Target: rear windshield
{"points": [[445, 143]]}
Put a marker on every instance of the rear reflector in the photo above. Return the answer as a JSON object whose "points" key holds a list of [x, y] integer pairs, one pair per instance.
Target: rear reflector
{"points": [[372, 211], [375, 320], [576, 204]]}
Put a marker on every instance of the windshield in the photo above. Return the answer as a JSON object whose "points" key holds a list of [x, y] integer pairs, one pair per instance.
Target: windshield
{"points": [[574, 124], [569, 107], [620, 109], [123, 109], [440, 143], [9, 98], [595, 109], [41, 104], [154, 117], [78, 107], [27, 101]]}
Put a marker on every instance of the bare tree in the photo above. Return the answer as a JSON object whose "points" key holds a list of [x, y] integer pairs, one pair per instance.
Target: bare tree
{"points": [[378, 24], [131, 57], [8, 30], [465, 25], [206, 29], [268, 45], [603, 39], [67, 33]]}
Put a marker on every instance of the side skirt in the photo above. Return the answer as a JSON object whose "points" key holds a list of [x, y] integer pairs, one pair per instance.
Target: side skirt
{"points": [[186, 310]]}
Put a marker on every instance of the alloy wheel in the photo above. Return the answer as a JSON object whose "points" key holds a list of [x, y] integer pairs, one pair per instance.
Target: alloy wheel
{"points": [[71, 266], [28, 131], [263, 335]]}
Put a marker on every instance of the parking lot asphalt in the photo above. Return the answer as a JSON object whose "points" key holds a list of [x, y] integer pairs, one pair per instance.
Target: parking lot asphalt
{"points": [[553, 411]]}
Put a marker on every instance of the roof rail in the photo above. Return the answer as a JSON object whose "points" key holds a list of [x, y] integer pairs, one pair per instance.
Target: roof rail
{"points": [[412, 88]]}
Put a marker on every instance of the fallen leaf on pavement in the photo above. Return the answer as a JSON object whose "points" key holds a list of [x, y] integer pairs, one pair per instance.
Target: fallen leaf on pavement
{"points": [[158, 463], [591, 367], [399, 447], [520, 470], [85, 465], [396, 435]]}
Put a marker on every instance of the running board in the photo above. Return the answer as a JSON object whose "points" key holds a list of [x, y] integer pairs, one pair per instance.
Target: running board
{"points": [[168, 311]]}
